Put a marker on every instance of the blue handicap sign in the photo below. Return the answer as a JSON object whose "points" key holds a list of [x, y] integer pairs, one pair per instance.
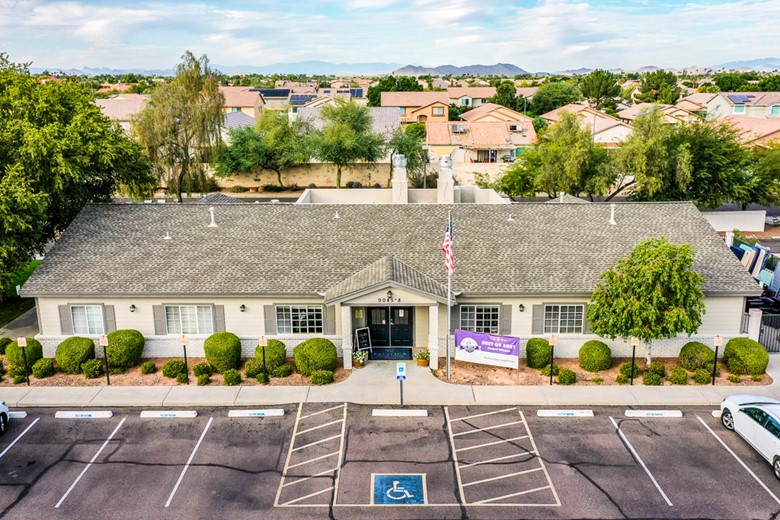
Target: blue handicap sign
{"points": [[399, 489]]}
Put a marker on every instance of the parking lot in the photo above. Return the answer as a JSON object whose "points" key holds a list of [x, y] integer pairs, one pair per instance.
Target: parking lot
{"points": [[340, 461]]}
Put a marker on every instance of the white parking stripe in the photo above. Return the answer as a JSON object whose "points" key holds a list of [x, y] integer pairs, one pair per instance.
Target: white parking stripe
{"points": [[304, 479], [508, 475], [483, 414], [488, 461], [774, 497], [320, 426], [289, 453], [454, 456], [308, 496], [341, 455], [639, 459], [488, 500], [317, 442], [322, 411], [19, 437], [502, 441], [91, 461], [486, 428], [312, 460], [189, 461]]}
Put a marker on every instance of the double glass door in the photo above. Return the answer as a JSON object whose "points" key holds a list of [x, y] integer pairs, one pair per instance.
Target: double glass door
{"points": [[391, 326]]}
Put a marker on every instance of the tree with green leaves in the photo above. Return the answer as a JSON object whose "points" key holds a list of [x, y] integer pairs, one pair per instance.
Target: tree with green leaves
{"points": [[769, 84], [762, 183], [180, 126], [730, 82], [347, 137], [456, 111], [708, 88], [600, 89], [506, 95], [552, 95], [275, 144], [653, 293], [408, 142], [58, 152], [391, 84], [658, 87]]}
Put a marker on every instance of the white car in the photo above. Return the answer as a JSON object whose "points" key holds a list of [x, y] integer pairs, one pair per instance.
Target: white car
{"points": [[757, 419], [4, 416]]}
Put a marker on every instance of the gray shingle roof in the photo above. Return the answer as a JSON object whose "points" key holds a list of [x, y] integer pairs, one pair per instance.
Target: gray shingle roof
{"points": [[302, 249], [387, 269], [567, 199], [238, 120], [219, 198]]}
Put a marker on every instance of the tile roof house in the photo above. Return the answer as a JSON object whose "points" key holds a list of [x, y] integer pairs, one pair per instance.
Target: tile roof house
{"points": [[295, 271], [480, 142], [470, 96], [275, 98], [418, 107], [748, 104], [491, 112], [607, 131], [672, 114], [243, 99], [755, 131], [122, 107], [696, 103]]}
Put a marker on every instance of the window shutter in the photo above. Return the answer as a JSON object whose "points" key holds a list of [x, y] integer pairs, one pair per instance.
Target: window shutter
{"points": [[109, 317], [537, 319], [585, 324], [330, 320], [505, 326], [159, 320], [455, 318], [219, 318], [66, 321], [270, 320]]}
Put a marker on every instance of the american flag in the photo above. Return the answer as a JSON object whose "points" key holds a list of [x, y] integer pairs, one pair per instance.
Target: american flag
{"points": [[449, 261]]}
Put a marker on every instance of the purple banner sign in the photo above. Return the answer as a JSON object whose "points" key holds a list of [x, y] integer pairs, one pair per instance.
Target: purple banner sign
{"points": [[486, 349]]}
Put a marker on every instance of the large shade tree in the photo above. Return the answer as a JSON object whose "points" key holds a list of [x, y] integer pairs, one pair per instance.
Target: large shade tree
{"points": [[180, 126], [391, 84], [57, 153], [658, 86], [552, 95], [600, 88], [653, 293]]}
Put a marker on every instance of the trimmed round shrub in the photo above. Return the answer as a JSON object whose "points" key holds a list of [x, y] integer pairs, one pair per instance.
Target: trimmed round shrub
{"points": [[652, 379], [148, 368], [204, 379], [567, 377], [223, 351], [4, 342], [275, 354], [621, 379], [742, 356], [595, 355], [658, 368], [92, 369], [321, 377], [200, 369], [72, 352], [43, 368], [252, 368], [284, 370], [315, 354], [125, 348], [734, 378], [34, 352], [695, 355], [546, 370], [625, 370], [15, 370], [173, 368], [702, 377], [678, 375], [232, 377], [182, 378], [262, 378], [537, 352], [19, 379]]}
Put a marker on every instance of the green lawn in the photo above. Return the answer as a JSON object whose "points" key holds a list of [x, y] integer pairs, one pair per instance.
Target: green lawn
{"points": [[12, 308]]}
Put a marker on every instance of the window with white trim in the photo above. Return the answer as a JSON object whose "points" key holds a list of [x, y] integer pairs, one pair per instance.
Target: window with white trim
{"points": [[189, 319], [564, 319], [299, 319], [775, 110], [438, 111], [479, 318], [739, 109], [403, 110], [87, 319]]}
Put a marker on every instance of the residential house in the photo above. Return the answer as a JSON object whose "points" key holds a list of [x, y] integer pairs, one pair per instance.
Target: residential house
{"points": [[747, 104], [481, 141], [696, 103], [470, 96], [439, 83], [384, 120], [672, 114], [108, 87], [297, 101], [492, 112], [755, 131], [418, 107], [235, 121], [275, 98], [243, 99], [122, 107], [607, 131]]}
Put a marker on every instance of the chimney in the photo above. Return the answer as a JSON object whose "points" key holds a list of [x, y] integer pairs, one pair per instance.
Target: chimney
{"points": [[446, 186], [213, 222], [729, 238], [400, 182], [612, 214]]}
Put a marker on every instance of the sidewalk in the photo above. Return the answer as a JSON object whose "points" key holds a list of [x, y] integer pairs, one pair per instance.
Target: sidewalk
{"points": [[375, 384]]}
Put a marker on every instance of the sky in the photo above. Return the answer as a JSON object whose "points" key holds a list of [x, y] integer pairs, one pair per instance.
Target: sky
{"points": [[536, 35]]}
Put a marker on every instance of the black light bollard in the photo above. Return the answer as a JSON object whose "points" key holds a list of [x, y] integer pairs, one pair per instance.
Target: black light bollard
{"points": [[22, 342], [184, 341], [263, 343], [718, 341], [634, 343], [553, 341], [104, 344]]}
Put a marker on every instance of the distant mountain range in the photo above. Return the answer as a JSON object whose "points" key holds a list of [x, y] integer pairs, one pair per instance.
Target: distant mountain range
{"points": [[499, 69], [759, 65]]}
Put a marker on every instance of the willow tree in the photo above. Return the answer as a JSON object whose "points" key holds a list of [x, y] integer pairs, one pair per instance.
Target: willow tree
{"points": [[180, 126]]}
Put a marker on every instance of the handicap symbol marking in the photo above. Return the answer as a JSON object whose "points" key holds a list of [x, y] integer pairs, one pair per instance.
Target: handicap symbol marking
{"points": [[404, 489]]}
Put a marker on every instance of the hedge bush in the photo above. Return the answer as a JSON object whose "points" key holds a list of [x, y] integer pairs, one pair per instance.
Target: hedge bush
{"points": [[702, 376], [72, 352], [125, 348], [275, 354], [173, 368], [546, 370], [182, 378], [321, 377], [200, 369], [595, 355], [621, 379], [92, 368], [597, 380], [695, 355], [567, 377], [13, 352], [652, 379], [232, 377], [4, 342], [734, 378], [625, 370], [262, 378], [658, 368], [252, 368], [148, 368], [315, 354], [743, 356], [678, 375], [204, 379], [284, 370], [537, 352], [223, 351], [43, 368], [19, 379]]}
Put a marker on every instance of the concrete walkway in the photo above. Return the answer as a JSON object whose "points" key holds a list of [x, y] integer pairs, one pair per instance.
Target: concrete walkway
{"points": [[376, 384], [25, 325]]}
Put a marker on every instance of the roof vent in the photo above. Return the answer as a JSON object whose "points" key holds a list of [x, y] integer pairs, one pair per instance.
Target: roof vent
{"points": [[167, 235], [458, 129], [336, 215], [213, 222], [612, 214]]}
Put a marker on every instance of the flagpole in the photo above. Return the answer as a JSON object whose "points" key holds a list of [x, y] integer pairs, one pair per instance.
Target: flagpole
{"points": [[449, 299]]}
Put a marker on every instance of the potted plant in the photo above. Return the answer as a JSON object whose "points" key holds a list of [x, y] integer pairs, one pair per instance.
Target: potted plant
{"points": [[423, 357], [359, 358]]}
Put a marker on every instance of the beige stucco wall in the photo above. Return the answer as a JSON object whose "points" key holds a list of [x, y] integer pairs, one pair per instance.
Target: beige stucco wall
{"points": [[322, 175]]}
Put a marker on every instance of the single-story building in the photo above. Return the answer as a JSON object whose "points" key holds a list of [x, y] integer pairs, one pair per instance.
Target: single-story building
{"points": [[295, 271]]}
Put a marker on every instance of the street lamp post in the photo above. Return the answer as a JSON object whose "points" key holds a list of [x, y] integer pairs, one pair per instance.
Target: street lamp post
{"points": [[553, 341], [22, 342], [263, 343], [718, 341], [184, 341], [104, 343], [634, 343]]}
